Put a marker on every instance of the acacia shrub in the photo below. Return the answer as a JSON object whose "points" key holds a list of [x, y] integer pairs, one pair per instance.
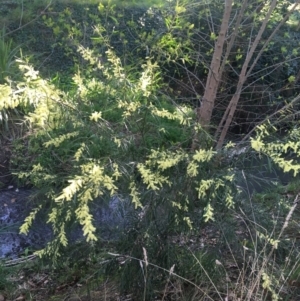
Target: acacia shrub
{"points": [[115, 134], [143, 150]]}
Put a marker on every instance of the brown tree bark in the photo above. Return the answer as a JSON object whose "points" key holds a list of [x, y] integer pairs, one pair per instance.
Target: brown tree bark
{"points": [[231, 108], [208, 101]]}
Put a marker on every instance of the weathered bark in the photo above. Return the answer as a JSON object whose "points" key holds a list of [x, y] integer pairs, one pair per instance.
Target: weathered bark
{"points": [[213, 80], [208, 101], [231, 108]]}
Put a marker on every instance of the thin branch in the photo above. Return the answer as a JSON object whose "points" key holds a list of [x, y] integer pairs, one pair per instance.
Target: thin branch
{"points": [[33, 20], [228, 115], [295, 100], [234, 35], [272, 35]]}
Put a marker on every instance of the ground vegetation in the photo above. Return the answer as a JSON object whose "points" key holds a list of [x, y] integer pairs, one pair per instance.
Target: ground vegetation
{"points": [[160, 105]]}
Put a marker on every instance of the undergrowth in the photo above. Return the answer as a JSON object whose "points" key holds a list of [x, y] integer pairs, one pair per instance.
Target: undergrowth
{"points": [[109, 132]]}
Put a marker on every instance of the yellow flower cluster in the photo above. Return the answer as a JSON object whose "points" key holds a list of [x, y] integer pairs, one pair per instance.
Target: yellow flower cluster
{"points": [[58, 140], [276, 150]]}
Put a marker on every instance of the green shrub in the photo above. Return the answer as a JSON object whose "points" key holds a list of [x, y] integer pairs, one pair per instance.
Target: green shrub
{"points": [[110, 131]]}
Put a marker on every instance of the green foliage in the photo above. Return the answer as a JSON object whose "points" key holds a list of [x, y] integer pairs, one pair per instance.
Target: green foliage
{"points": [[278, 151], [140, 149], [7, 58], [111, 130]]}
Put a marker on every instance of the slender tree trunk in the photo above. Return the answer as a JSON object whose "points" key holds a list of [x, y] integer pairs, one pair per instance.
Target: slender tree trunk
{"points": [[231, 108], [213, 79], [208, 101], [233, 36]]}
